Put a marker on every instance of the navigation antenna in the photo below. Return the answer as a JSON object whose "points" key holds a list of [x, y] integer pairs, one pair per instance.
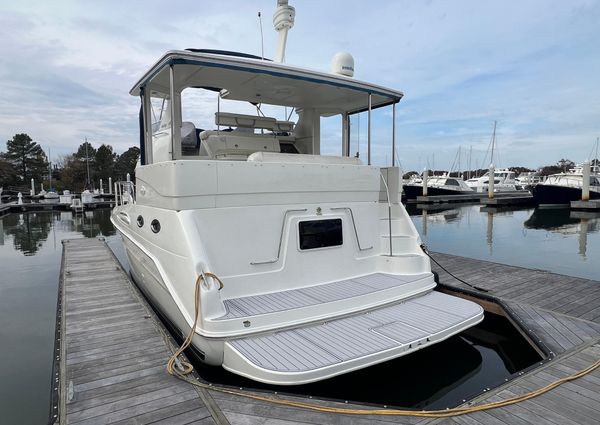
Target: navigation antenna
{"points": [[262, 40], [283, 21]]}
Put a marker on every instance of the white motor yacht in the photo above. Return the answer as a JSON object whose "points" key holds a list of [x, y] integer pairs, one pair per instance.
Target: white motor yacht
{"points": [[307, 266], [527, 180], [562, 188], [438, 185], [504, 181]]}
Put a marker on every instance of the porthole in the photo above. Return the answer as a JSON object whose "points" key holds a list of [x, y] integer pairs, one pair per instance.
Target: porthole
{"points": [[140, 221], [155, 226]]}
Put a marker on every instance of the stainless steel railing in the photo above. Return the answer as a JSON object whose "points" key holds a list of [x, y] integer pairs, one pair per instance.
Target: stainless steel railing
{"points": [[124, 193]]}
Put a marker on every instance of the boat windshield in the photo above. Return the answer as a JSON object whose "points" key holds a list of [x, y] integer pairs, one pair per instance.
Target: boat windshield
{"points": [[266, 106]]}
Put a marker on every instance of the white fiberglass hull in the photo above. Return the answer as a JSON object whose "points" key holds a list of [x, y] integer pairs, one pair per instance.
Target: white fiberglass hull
{"points": [[370, 342]]}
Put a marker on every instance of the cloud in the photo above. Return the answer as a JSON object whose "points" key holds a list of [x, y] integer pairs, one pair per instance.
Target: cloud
{"points": [[68, 66]]}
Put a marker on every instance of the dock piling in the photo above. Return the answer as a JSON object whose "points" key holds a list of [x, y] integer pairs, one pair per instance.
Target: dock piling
{"points": [[491, 182], [585, 190]]}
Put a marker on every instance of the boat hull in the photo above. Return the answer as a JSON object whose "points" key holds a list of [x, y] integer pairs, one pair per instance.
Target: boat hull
{"points": [[237, 353], [412, 192], [554, 194]]}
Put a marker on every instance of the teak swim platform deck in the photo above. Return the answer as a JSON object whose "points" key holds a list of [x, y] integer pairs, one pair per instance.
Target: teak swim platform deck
{"points": [[113, 351]]}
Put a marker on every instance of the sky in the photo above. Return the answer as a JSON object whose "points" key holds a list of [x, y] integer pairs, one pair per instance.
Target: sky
{"points": [[66, 68]]}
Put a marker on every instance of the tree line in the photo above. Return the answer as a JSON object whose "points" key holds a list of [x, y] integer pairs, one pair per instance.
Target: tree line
{"points": [[24, 159]]}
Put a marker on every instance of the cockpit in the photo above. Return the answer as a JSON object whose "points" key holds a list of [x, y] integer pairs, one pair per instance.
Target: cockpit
{"points": [[256, 107]]}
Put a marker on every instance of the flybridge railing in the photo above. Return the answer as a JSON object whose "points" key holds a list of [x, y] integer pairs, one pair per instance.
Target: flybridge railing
{"points": [[124, 193]]}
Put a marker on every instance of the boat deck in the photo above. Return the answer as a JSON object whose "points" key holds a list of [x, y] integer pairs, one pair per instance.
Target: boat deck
{"points": [[114, 350], [327, 349], [330, 292]]}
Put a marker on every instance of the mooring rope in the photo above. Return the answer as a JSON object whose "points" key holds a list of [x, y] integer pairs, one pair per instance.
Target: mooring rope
{"points": [[174, 362], [186, 368], [479, 288]]}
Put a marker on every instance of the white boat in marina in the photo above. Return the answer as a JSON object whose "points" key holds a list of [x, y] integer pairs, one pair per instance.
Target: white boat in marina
{"points": [[438, 185], [307, 266], [527, 179], [66, 198], [504, 181], [562, 188]]}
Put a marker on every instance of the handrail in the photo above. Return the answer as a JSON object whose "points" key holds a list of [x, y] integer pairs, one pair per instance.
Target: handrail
{"points": [[254, 263], [387, 191], [123, 189], [354, 226]]}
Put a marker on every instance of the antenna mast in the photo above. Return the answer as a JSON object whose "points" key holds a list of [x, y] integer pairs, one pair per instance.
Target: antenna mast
{"points": [[262, 40], [283, 21]]}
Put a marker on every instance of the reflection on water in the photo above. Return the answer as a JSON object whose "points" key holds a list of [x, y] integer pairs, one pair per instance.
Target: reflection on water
{"points": [[29, 231], [30, 253], [558, 240]]}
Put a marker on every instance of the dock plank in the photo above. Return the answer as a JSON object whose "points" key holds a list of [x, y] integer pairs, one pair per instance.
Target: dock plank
{"points": [[115, 354], [116, 357]]}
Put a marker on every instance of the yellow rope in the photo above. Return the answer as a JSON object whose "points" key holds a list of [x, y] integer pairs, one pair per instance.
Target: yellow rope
{"points": [[187, 368]]}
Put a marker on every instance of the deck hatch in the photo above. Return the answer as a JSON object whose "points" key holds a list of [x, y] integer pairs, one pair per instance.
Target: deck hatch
{"points": [[320, 233]]}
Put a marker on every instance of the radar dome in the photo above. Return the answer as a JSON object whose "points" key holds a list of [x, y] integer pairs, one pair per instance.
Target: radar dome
{"points": [[343, 64]]}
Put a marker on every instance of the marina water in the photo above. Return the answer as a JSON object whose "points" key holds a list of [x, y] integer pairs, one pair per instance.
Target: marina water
{"points": [[557, 240]]}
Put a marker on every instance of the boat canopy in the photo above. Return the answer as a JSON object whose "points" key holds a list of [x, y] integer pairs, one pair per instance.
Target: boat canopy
{"points": [[261, 81]]}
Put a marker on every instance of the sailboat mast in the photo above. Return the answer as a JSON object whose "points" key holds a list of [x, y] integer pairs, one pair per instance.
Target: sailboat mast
{"points": [[470, 153], [87, 161], [493, 143]]}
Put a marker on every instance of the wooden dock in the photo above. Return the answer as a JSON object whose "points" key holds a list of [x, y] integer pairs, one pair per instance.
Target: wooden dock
{"points": [[114, 352], [13, 207], [521, 199], [591, 205], [504, 198]]}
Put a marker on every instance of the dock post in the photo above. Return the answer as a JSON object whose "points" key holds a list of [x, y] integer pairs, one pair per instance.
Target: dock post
{"points": [[32, 187], [20, 198], [585, 190], [425, 175], [110, 191], [101, 188], [491, 182]]}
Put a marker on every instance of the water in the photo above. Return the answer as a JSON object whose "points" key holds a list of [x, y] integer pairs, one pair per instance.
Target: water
{"points": [[30, 255], [436, 377], [555, 240]]}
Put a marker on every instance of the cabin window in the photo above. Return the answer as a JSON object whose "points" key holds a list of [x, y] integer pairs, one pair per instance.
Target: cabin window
{"points": [[452, 182], [320, 233]]}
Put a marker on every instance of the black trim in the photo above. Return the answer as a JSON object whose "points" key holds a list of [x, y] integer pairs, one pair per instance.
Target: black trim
{"points": [[227, 53], [142, 128]]}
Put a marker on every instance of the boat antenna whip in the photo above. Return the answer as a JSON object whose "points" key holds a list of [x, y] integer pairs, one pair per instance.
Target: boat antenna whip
{"points": [[262, 40], [478, 288]]}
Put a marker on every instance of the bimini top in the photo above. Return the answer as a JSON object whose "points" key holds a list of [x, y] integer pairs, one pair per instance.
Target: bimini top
{"points": [[261, 81]]}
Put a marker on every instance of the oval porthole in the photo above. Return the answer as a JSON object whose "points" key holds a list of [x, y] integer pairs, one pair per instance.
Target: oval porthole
{"points": [[140, 221], [155, 226]]}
